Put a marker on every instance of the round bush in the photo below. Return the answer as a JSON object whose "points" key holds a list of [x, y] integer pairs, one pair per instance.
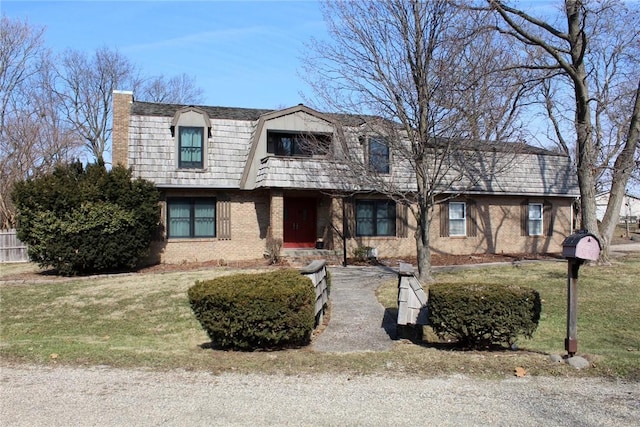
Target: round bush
{"points": [[82, 221], [481, 315], [252, 311]]}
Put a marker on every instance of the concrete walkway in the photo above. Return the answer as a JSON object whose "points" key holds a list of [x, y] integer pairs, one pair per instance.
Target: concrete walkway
{"points": [[625, 248], [358, 321]]}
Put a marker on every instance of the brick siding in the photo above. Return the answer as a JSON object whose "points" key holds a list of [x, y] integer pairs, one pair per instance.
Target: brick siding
{"points": [[120, 135]]}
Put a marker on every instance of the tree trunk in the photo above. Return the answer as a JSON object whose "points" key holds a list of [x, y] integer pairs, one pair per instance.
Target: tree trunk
{"points": [[423, 248], [621, 172], [585, 155]]}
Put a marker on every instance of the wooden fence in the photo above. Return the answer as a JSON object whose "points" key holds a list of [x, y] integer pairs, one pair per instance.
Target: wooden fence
{"points": [[12, 249]]}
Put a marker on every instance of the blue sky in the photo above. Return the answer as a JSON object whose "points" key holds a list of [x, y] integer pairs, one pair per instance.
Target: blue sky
{"points": [[242, 53]]}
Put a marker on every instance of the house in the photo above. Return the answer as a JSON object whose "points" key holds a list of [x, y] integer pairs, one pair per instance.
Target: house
{"points": [[230, 177], [629, 211]]}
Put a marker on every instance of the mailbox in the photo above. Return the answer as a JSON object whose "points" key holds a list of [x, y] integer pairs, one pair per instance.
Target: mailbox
{"points": [[581, 245], [577, 248]]}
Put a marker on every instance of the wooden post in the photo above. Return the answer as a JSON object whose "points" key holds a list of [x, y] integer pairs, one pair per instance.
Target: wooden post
{"points": [[571, 342], [345, 226]]}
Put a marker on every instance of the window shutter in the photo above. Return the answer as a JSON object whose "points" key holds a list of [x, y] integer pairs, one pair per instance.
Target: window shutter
{"points": [[401, 220], [548, 217], [350, 222], [444, 219], [472, 224], [223, 219], [524, 218]]}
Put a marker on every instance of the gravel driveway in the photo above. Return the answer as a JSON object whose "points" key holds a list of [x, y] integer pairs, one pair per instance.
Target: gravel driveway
{"points": [[99, 396]]}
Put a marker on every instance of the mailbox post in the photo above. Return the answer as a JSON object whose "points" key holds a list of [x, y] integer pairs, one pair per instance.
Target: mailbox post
{"points": [[577, 248]]}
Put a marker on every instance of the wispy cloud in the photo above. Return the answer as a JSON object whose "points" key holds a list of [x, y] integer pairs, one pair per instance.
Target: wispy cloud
{"points": [[203, 38]]}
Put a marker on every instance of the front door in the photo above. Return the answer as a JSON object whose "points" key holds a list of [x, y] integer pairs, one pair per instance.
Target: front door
{"points": [[299, 222]]}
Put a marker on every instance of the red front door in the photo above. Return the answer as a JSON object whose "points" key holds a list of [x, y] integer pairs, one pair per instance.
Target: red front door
{"points": [[299, 223]]}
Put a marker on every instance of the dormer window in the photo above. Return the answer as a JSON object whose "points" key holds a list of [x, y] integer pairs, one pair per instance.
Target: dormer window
{"points": [[190, 147], [378, 155], [297, 144], [190, 129]]}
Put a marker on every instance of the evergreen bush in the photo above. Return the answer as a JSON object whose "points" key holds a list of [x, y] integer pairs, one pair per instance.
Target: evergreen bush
{"points": [[256, 311], [82, 221], [481, 315]]}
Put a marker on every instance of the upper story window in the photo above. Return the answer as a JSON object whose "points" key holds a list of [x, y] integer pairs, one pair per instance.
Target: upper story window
{"points": [[375, 218], [190, 147], [535, 219], [191, 128], [378, 155], [297, 144], [457, 219]]}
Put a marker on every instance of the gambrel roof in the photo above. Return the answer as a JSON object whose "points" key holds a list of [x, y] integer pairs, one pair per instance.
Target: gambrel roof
{"points": [[153, 109], [236, 155]]}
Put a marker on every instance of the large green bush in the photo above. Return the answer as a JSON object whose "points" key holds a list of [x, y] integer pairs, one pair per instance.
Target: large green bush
{"points": [[481, 315], [256, 311], [91, 220]]}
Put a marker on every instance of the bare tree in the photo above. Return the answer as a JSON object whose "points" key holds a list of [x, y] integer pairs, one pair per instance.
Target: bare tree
{"points": [[180, 89], [33, 138], [589, 62], [85, 88], [418, 76], [48, 112], [20, 47]]}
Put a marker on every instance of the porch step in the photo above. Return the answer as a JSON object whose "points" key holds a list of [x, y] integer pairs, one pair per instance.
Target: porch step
{"points": [[301, 257]]}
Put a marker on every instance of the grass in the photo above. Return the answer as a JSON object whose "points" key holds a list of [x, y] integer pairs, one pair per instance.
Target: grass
{"points": [[144, 320], [608, 309]]}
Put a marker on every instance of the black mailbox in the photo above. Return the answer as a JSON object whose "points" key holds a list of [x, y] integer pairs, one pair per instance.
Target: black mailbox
{"points": [[581, 245]]}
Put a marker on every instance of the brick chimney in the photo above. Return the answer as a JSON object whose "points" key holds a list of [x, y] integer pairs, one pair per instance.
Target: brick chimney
{"points": [[122, 101]]}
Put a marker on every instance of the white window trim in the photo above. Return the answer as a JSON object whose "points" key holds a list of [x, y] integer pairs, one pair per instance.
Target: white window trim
{"points": [[463, 219], [530, 219]]}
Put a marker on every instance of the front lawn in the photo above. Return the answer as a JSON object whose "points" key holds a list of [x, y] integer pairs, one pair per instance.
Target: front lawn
{"points": [[144, 320]]}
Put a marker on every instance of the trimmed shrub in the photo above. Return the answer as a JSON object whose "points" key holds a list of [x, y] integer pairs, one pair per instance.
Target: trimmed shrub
{"points": [[82, 221], [256, 311], [481, 315], [361, 253]]}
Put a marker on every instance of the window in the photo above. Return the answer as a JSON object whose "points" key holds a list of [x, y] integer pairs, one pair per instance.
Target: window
{"points": [[535, 219], [375, 218], [297, 144], [378, 155], [457, 219], [191, 218], [190, 146]]}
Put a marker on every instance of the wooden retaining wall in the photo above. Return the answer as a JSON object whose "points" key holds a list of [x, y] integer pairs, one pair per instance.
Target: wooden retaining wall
{"points": [[317, 272]]}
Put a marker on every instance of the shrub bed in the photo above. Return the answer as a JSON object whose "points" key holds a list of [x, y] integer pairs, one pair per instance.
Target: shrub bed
{"points": [[481, 315], [255, 311]]}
